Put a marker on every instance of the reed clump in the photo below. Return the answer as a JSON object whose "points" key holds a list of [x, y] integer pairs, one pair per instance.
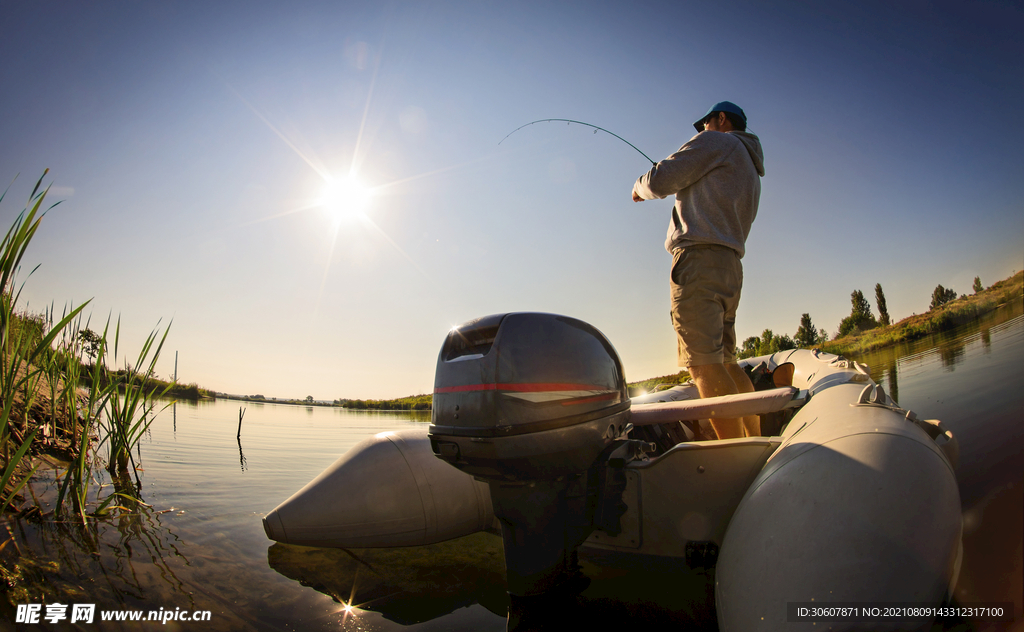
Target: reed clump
{"points": [[45, 362], [24, 343]]}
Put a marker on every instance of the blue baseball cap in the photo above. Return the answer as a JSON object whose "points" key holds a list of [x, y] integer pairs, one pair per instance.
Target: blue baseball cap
{"points": [[723, 106]]}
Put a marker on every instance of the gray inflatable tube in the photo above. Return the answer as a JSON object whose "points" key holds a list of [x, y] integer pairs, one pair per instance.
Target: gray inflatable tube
{"points": [[856, 506], [389, 490]]}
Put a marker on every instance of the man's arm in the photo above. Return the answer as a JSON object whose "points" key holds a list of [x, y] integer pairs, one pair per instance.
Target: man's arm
{"points": [[682, 169]]}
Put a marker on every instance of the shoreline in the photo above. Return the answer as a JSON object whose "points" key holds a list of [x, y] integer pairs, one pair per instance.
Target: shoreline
{"points": [[952, 314], [395, 407]]}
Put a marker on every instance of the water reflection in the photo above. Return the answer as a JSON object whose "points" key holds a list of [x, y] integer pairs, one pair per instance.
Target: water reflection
{"points": [[892, 379], [407, 585], [126, 557], [419, 584], [952, 349], [883, 365]]}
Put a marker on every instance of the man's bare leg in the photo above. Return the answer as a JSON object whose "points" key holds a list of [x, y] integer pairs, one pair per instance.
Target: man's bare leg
{"points": [[751, 423], [713, 380]]}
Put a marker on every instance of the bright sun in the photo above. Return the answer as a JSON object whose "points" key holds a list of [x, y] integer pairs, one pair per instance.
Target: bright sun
{"points": [[344, 198]]}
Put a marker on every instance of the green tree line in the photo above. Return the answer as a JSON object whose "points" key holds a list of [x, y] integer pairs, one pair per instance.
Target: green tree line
{"points": [[860, 320], [415, 402]]}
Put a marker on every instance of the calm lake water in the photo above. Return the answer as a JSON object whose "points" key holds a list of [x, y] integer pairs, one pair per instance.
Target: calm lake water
{"points": [[200, 544]]}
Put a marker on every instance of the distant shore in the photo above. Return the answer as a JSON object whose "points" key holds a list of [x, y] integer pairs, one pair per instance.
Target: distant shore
{"points": [[956, 312], [409, 403]]}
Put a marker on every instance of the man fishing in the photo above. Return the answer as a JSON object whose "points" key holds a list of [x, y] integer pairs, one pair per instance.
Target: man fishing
{"points": [[716, 179]]}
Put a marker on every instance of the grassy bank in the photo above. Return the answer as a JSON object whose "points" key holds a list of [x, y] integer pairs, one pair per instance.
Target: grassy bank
{"points": [[152, 386], [947, 316], [411, 402], [646, 386]]}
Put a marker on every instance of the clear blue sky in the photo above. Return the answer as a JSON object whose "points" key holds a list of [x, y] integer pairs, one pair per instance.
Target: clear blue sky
{"points": [[190, 141]]}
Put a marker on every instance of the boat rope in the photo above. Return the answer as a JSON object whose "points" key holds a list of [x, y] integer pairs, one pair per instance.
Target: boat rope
{"points": [[596, 128]]}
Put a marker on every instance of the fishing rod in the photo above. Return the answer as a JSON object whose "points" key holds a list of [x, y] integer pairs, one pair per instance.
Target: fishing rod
{"points": [[578, 123]]}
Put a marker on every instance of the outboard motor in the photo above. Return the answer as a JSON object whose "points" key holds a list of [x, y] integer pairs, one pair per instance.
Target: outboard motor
{"points": [[536, 406]]}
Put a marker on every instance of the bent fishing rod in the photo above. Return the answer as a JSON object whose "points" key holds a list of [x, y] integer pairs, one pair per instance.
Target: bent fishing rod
{"points": [[596, 128]]}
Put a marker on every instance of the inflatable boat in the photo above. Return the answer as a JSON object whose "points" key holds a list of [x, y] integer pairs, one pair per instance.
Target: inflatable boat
{"points": [[848, 500]]}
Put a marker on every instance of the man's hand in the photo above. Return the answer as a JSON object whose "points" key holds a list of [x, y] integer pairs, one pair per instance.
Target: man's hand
{"points": [[637, 198]]}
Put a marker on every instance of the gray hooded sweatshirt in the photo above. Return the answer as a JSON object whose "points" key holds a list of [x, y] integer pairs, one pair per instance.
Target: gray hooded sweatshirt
{"points": [[716, 178]]}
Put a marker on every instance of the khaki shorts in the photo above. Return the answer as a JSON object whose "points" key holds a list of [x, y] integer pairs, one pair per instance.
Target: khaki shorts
{"points": [[706, 283]]}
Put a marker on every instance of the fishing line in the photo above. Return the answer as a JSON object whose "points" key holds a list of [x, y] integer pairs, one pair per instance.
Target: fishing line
{"points": [[578, 123]]}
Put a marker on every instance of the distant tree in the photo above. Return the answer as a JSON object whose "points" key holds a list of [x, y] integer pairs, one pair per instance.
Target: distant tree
{"points": [[860, 318], [861, 307], [883, 313], [941, 296], [749, 348], [309, 399], [784, 343], [757, 345], [977, 285], [765, 344], [822, 335], [90, 341], [806, 334]]}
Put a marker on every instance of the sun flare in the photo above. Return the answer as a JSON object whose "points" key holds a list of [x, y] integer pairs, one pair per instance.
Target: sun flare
{"points": [[345, 198]]}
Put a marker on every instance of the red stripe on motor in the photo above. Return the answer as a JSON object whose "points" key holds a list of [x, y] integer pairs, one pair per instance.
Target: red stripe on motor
{"points": [[467, 387]]}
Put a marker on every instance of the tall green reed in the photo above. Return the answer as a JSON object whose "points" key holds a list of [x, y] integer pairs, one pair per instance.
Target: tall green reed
{"points": [[62, 368], [78, 476], [20, 351], [121, 406], [130, 414]]}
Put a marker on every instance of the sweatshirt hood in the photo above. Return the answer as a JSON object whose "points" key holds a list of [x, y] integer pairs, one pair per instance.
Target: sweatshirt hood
{"points": [[753, 145]]}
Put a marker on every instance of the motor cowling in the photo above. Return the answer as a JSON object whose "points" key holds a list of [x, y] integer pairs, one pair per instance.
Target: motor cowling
{"points": [[536, 405], [526, 396]]}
